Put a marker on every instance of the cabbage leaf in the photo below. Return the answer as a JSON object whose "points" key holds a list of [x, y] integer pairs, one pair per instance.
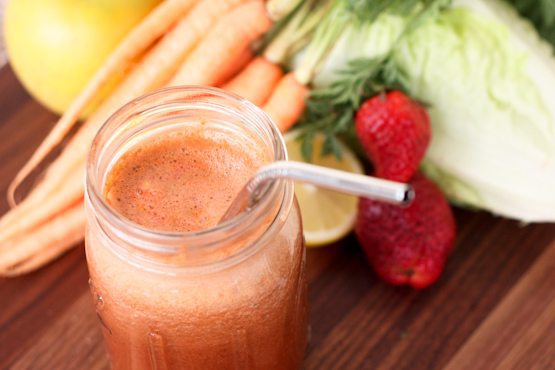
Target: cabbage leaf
{"points": [[490, 82]]}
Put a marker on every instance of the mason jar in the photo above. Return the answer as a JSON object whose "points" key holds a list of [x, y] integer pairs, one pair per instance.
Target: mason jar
{"points": [[232, 296]]}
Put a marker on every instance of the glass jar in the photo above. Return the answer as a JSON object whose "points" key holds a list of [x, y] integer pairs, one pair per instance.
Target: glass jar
{"points": [[233, 296]]}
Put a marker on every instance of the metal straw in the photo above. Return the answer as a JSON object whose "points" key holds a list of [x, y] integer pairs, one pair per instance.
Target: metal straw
{"points": [[328, 178]]}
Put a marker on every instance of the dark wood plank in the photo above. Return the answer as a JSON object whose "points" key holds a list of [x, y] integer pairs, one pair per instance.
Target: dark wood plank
{"points": [[358, 322], [41, 299], [478, 276], [520, 332], [23, 125], [85, 353], [11, 95]]}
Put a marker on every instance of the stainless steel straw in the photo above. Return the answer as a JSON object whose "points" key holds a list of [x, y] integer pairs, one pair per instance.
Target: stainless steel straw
{"points": [[340, 181]]}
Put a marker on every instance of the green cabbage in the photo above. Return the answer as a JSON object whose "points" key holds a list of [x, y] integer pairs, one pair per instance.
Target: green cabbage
{"points": [[490, 84]]}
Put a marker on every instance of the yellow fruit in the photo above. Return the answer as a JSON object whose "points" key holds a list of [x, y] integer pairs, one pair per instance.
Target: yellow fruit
{"points": [[55, 46], [327, 216]]}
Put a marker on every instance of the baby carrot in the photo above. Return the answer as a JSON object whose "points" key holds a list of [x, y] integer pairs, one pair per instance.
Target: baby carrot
{"points": [[287, 102], [49, 240], [158, 66], [31, 212], [256, 81], [221, 49], [239, 64]]}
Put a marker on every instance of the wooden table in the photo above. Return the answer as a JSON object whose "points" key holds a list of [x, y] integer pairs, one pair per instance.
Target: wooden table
{"points": [[494, 307]]}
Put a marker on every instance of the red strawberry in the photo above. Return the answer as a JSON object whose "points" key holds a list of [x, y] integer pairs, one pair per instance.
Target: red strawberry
{"points": [[395, 132], [408, 245]]}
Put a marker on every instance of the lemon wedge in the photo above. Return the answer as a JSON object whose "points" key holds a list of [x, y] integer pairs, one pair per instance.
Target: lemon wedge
{"points": [[327, 215]]}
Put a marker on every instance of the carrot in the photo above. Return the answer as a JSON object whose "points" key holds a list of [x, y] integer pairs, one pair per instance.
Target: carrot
{"points": [[237, 66], [142, 36], [20, 219], [51, 239], [287, 102], [220, 51], [162, 63], [152, 71], [256, 81]]}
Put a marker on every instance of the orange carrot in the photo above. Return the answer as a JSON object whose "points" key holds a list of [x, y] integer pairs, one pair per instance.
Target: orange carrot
{"points": [[135, 43], [287, 102], [237, 66], [162, 63], [256, 81], [221, 49], [47, 242], [153, 70], [23, 218]]}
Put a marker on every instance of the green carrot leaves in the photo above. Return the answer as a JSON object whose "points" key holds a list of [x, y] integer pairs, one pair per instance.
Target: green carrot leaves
{"points": [[331, 109]]}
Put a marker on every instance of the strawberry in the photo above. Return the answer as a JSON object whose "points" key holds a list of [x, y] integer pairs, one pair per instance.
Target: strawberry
{"points": [[395, 132], [408, 245]]}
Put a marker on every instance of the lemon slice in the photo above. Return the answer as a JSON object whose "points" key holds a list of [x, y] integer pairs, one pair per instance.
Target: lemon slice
{"points": [[327, 215]]}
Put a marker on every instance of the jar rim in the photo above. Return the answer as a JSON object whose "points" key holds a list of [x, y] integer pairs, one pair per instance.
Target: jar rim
{"points": [[171, 241]]}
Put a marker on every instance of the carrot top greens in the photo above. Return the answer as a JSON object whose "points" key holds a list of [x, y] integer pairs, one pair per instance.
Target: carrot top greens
{"points": [[331, 109]]}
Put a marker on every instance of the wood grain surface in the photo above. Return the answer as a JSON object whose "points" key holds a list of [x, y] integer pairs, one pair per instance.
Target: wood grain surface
{"points": [[494, 307]]}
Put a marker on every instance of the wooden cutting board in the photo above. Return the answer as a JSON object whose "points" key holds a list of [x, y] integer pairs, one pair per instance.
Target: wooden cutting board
{"points": [[494, 307]]}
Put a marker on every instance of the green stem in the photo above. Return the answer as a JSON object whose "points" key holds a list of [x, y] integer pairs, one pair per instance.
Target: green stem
{"points": [[277, 9], [296, 32], [325, 37]]}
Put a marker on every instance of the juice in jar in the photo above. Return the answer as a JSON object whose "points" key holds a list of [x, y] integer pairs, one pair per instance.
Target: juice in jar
{"points": [[173, 288]]}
